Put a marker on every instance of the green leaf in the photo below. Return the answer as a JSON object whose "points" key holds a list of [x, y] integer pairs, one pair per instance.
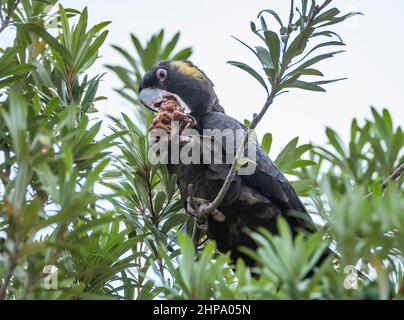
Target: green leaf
{"points": [[183, 54], [253, 26], [31, 213], [287, 150], [328, 81], [340, 19], [90, 93], [266, 142], [8, 55], [328, 15], [90, 53], [251, 71], [17, 70], [265, 57], [327, 33], [79, 32], [298, 45], [304, 85], [170, 46], [324, 44], [67, 37], [274, 46], [126, 55], [317, 59], [49, 182], [16, 121], [98, 27], [53, 42], [247, 46], [173, 221], [138, 46], [273, 13], [308, 72], [32, 248]]}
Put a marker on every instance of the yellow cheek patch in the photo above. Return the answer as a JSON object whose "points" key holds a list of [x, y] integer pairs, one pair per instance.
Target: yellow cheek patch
{"points": [[189, 69]]}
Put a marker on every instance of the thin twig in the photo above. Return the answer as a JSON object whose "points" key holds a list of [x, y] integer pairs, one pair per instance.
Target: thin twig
{"points": [[233, 170], [317, 9], [292, 6], [289, 27], [394, 176]]}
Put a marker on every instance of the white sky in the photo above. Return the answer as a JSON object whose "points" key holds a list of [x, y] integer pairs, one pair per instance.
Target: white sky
{"points": [[373, 61]]}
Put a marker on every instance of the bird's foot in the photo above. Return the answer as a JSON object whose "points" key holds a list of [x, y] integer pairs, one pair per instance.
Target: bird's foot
{"points": [[197, 208]]}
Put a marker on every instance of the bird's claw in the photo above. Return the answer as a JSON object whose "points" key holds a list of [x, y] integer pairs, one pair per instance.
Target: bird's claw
{"points": [[197, 208]]}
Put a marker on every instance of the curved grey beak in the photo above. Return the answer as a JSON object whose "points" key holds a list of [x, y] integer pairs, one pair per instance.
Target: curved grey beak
{"points": [[152, 98]]}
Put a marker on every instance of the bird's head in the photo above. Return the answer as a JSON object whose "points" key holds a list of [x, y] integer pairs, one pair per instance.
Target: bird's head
{"points": [[185, 80]]}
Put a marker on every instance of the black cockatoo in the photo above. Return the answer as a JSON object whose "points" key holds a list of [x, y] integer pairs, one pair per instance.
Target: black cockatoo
{"points": [[252, 201]]}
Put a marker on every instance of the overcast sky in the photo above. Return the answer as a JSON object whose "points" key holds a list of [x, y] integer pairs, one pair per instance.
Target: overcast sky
{"points": [[373, 62]]}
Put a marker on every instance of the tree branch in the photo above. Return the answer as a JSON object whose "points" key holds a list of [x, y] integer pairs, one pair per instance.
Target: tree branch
{"points": [[394, 176], [292, 6], [257, 118], [230, 176], [233, 170]]}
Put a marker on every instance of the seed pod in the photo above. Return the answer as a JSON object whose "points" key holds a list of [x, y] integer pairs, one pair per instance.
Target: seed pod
{"points": [[169, 111]]}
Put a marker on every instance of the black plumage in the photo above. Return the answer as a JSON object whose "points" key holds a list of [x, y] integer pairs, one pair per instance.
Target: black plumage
{"points": [[252, 201]]}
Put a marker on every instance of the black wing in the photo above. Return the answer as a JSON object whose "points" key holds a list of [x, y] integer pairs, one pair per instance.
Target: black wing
{"points": [[267, 179]]}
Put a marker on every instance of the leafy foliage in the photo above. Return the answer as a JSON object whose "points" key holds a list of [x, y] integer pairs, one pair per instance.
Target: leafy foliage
{"points": [[146, 197], [358, 219], [112, 223], [52, 159], [286, 55]]}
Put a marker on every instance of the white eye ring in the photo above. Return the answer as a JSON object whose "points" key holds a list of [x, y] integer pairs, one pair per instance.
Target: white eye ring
{"points": [[161, 74]]}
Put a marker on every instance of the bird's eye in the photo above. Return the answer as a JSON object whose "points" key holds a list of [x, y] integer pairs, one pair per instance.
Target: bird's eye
{"points": [[161, 74]]}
